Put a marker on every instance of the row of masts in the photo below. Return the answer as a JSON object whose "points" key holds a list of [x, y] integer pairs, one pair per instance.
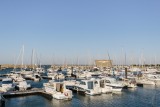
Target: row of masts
{"points": [[91, 62], [33, 65]]}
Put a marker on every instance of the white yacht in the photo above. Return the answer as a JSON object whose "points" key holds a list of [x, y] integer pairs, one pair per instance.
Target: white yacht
{"points": [[130, 83], [116, 85], [50, 69], [154, 77], [58, 90], [23, 85], [103, 87], [40, 70], [59, 76], [7, 85], [84, 74], [33, 76], [51, 75], [145, 81], [88, 87], [17, 77]]}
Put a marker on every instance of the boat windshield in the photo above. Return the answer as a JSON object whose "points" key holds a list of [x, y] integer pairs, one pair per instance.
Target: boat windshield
{"points": [[90, 85], [6, 82], [82, 83]]}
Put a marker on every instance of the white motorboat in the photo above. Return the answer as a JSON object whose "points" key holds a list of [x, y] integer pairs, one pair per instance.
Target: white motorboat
{"points": [[17, 77], [33, 76], [23, 85], [7, 85], [60, 76], [58, 90], [50, 69], [145, 81], [102, 84], [130, 83], [153, 77], [51, 75], [116, 85], [40, 70], [88, 87]]}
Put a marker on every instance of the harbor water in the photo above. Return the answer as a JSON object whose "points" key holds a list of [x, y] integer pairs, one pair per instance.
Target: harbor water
{"points": [[147, 96], [140, 97]]}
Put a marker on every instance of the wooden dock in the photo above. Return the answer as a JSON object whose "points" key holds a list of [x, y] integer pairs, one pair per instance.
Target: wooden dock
{"points": [[36, 91]]}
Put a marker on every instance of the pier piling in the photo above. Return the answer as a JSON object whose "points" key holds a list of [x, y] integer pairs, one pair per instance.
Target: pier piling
{"points": [[126, 73]]}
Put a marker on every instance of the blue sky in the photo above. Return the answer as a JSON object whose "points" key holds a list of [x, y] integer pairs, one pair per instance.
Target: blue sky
{"points": [[67, 30]]}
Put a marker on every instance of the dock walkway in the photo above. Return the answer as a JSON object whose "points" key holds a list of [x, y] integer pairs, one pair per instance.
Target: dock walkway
{"points": [[36, 91]]}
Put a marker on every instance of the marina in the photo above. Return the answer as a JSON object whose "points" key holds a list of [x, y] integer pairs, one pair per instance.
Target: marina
{"points": [[79, 53], [137, 96]]}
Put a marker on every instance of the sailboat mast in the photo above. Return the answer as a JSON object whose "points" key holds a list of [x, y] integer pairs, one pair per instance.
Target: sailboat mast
{"points": [[32, 59], [22, 56]]}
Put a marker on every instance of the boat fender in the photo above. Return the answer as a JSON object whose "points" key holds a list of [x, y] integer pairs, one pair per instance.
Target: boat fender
{"points": [[66, 94]]}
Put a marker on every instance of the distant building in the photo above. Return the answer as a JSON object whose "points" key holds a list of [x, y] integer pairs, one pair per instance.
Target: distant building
{"points": [[103, 63]]}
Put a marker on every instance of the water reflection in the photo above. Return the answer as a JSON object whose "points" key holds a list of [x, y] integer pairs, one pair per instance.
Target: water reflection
{"points": [[140, 97], [61, 103]]}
